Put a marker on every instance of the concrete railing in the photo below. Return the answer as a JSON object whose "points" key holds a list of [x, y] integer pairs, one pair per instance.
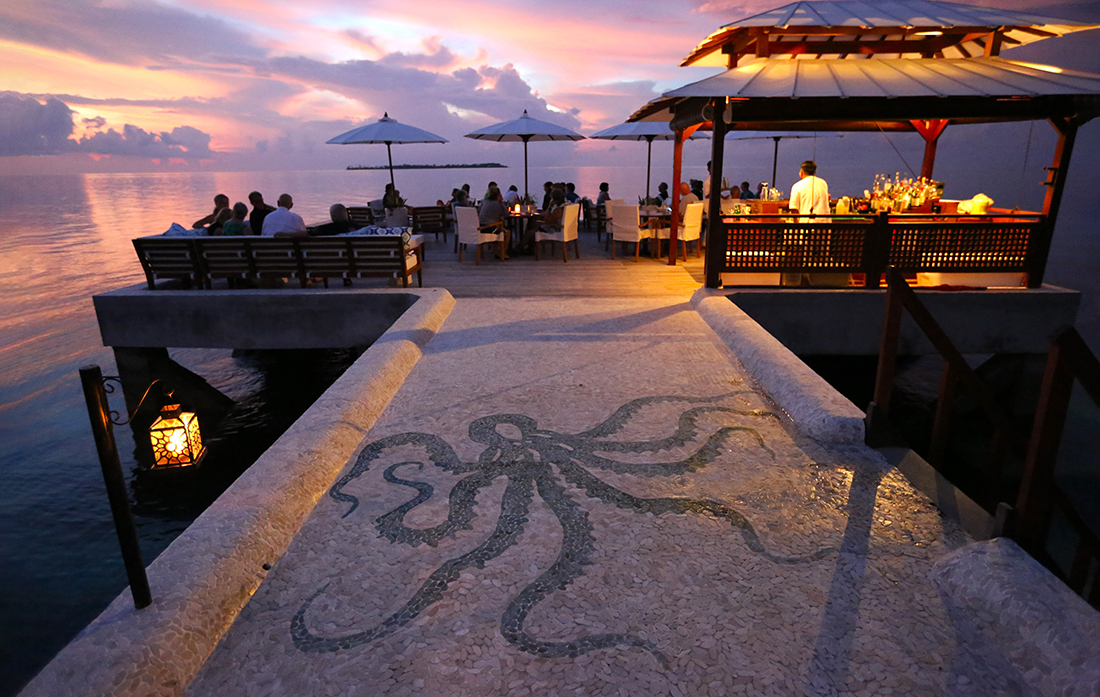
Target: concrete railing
{"points": [[815, 406], [204, 578]]}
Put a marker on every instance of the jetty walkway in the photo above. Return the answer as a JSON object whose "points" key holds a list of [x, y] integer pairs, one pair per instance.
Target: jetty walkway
{"points": [[590, 495]]}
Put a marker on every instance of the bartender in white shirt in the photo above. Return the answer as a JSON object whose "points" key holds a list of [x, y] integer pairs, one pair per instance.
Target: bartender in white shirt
{"points": [[810, 194]]}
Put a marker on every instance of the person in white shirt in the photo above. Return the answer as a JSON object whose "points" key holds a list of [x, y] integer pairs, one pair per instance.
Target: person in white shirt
{"points": [[281, 220], [512, 198], [810, 194], [687, 197]]}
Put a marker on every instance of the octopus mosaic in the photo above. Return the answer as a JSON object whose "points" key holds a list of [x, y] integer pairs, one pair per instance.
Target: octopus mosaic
{"points": [[538, 460]]}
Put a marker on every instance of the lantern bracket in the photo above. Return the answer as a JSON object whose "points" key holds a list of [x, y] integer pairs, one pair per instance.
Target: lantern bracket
{"points": [[109, 388]]}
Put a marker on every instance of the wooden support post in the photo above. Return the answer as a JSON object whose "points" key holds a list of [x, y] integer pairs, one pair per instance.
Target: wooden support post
{"points": [[931, 132], [716, 243], [762, 48], [677, 175], [993, 44], [941, 422], [677, 172], [1056, 184], [1036, 487]]}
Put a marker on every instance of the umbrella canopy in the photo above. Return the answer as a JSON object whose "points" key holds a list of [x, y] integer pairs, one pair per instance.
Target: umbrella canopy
{"points": [[388, 131], [648, 131], [524, 129]]}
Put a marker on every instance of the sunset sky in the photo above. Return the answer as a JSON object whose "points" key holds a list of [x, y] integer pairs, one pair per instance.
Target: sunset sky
{"points": [[250, 84]]}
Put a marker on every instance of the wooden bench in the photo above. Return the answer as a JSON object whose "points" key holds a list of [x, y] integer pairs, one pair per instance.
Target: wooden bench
{"points": [[360, 216], [200, 260], [430, 219]]}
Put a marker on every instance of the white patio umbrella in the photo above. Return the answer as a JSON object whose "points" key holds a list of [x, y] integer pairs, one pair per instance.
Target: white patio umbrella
{"points": [[386, 130], [648, 131], [526, 129], [777, 136]]}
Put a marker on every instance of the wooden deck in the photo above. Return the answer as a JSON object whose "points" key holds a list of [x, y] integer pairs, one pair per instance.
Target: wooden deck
{"points": [[593, 275]]}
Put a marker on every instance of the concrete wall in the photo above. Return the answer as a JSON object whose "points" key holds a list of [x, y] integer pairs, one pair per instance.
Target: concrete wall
{"points": [[813, 404], [849, 322], [204, 578], [286, 318]]}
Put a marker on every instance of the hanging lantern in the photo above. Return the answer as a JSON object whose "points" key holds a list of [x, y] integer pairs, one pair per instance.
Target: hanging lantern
{"points": [[175, 439]]}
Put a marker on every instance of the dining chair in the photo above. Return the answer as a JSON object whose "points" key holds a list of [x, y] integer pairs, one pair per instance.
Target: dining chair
{"points": [[606, 220], [692, 229], [626, 226], [568, 233], [470, 232]]}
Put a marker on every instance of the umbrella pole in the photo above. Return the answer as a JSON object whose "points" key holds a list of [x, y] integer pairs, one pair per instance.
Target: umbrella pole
{"points": [[648, 163], [775, 160], [526, 189], [390, 156]]}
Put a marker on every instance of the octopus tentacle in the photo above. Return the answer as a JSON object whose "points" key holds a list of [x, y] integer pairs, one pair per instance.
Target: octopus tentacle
{"points": [[596, 488], [517, 499], [575, 554], [697, 460], [618, 420], [463, 497], [440, 454], [686, 430]]}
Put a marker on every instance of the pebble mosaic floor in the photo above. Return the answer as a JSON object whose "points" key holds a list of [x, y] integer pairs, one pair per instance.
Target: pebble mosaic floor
{"points": [[590, 497]]}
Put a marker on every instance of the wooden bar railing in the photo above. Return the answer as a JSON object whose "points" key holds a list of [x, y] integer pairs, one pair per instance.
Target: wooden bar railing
{"points": [[1039, 497], [868, 244]]}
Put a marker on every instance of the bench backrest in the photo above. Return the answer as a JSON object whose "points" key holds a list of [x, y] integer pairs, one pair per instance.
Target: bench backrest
{"points": [[206, 258], [360, 216], [427, 219]]}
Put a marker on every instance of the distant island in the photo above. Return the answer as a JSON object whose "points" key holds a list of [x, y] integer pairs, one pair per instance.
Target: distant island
{"points": [[477, 165]]}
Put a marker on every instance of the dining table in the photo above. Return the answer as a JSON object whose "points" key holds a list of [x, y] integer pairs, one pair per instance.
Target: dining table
{"points": [[517, 221]]}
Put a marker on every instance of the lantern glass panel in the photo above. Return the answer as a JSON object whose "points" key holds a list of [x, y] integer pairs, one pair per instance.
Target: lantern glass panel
{"points": [[175, 438]]}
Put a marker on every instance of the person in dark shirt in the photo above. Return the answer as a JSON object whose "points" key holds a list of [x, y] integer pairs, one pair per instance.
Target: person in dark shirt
{"points": [[571, 193], [259, 212], [662, 193], [547, 187], [341, 223], [746, 192], [221, 203]]}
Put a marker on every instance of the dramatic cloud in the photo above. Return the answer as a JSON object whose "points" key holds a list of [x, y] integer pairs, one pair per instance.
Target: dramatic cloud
{"points": [[183, 143], [28, 127]]}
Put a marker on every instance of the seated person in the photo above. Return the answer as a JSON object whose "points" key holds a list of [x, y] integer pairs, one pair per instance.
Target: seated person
{"points": [[221, 203], [236, 226], [662, 193], [491, 216], [552, 217], [341, 223], [571, 193], [697, 188], [547, 187], [392, 198], [488, 189], [687, 196], [746, 192], [512, 198], [282, 222], [605, 194], [260, 209], [459, 198]]}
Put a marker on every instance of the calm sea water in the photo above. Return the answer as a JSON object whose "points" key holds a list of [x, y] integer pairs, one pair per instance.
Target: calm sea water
{"points": [[66, 238]]}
